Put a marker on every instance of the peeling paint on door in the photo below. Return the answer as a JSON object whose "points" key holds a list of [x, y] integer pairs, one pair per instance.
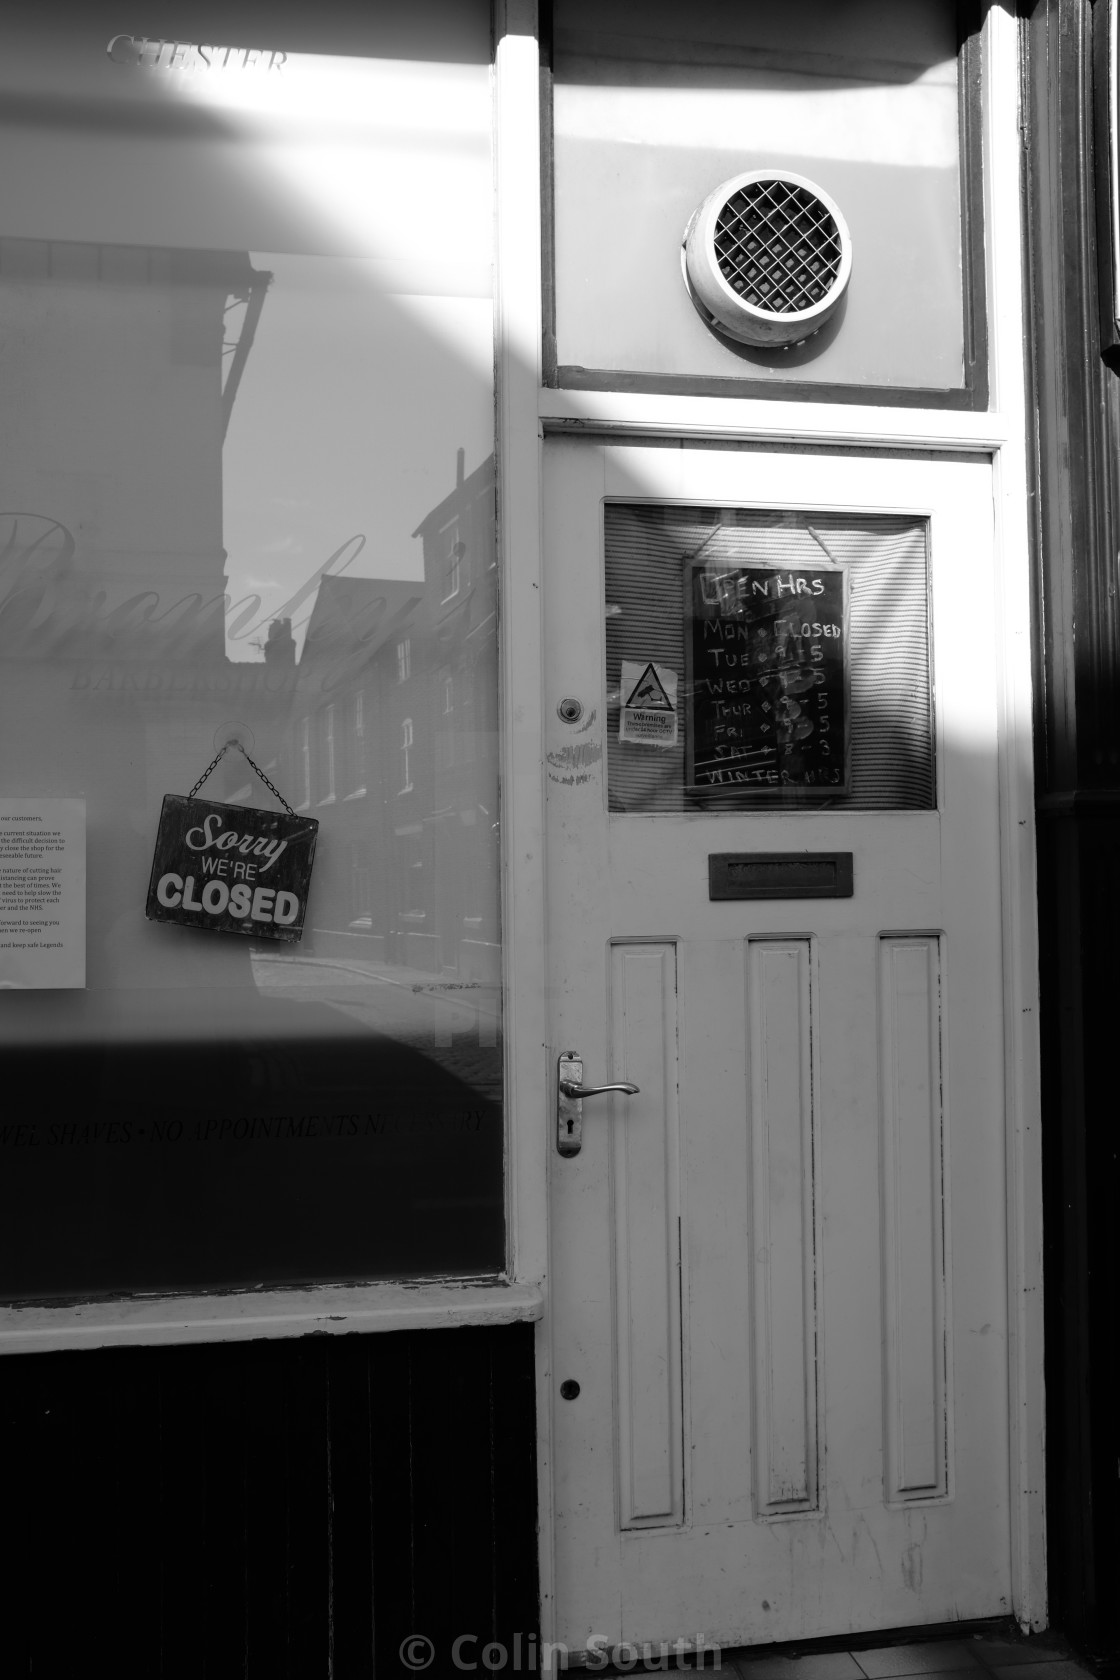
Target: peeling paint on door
{"points": [[571, 765]]}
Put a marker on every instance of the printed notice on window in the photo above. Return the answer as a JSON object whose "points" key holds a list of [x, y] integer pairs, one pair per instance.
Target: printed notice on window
{"points": [[42, 893], [648, 712]]}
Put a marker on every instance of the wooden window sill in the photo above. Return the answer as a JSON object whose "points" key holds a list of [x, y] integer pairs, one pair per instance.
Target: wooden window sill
{"points": [[331, 1309]]}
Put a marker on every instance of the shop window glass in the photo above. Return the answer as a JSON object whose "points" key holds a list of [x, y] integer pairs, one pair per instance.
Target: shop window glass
{"points": [[406, 756], [454, 564], [357, 753], [327, 770], [303, 762], [244, 394]]}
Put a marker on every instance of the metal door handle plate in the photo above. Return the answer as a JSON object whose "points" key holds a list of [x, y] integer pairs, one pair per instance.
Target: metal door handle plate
{"points": [[570, 1092]]}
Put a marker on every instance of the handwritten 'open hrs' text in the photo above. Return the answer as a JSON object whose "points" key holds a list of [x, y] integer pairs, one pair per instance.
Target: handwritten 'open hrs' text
{"points": [[768, 681]]}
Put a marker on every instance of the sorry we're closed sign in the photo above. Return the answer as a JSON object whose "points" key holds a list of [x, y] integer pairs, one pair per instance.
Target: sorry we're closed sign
{"points": [[231, 868]]}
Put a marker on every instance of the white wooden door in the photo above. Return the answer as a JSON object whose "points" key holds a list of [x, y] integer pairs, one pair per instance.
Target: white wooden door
{"points": [[778, 1273]]}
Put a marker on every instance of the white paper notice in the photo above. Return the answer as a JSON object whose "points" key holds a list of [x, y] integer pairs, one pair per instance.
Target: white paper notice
{"points": [[648, 713], [42, 893]]}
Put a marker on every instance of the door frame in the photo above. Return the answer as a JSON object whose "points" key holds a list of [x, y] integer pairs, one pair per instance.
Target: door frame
{"points": [[527, 414]]}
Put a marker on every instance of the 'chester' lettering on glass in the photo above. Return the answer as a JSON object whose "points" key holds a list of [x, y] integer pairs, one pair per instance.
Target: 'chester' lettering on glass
{"points": [[768, 678]]}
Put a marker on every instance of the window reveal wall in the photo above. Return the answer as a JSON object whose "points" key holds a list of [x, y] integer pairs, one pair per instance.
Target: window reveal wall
{"points": [[242, 407], [651, 113]]}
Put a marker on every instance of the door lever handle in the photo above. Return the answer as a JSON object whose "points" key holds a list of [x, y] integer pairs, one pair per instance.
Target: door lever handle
{"points": [[570, 1089], [570, 1092]]}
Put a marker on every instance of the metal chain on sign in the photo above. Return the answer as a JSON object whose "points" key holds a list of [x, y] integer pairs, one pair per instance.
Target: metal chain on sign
{"points": [[216, 760]]}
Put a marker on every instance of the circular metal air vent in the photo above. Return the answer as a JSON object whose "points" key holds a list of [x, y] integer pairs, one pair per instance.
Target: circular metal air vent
{"points": [[767, 257]]}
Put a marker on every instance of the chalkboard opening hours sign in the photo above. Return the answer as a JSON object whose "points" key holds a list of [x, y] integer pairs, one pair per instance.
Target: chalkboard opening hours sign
{"points": [[231, 868], [767, 678]]}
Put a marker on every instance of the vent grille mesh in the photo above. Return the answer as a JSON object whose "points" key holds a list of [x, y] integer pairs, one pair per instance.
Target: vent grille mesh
{"points": [[777, 246]]}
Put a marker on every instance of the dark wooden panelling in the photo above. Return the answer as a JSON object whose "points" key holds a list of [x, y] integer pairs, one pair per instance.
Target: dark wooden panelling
{"points": [[1077, 469], [1078, 413], [1079, 876], [568, 377], [268, 1510]]}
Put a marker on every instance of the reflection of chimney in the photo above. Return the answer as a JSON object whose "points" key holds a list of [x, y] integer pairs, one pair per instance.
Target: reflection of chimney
{"points": [[280, 648], [460, 466]]}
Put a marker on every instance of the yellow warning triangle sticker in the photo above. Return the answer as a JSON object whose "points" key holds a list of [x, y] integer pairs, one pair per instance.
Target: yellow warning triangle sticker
{"points": [[649, 692]]}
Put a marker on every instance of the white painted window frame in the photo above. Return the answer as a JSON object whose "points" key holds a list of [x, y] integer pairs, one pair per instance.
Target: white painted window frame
{"points": [[512, 1297]]}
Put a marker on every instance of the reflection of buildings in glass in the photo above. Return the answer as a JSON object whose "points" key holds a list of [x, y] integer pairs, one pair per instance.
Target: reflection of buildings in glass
{"points": [[394, 747], [127, 379], [121, 367]]}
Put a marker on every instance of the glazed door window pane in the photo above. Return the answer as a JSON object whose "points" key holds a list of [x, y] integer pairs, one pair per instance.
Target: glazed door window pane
{"points": [[801, 648]]}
